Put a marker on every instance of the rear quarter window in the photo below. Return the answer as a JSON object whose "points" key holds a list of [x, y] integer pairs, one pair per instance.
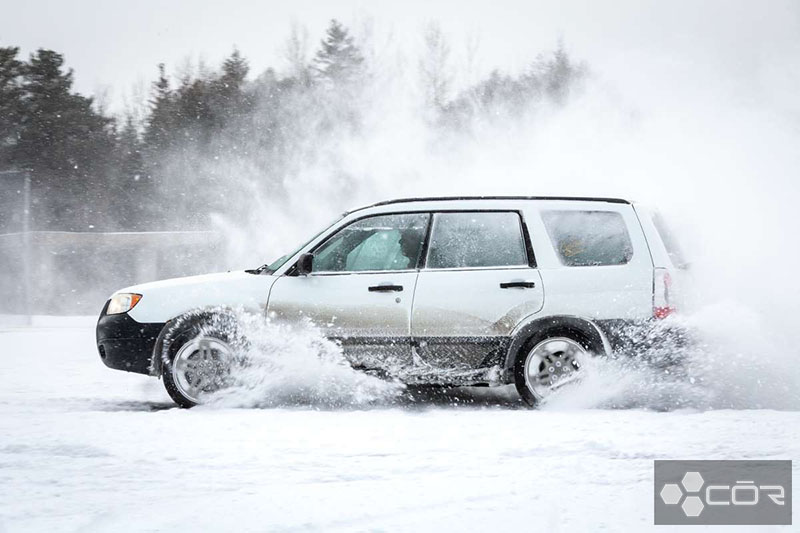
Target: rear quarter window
{"points": [[589, 238], [670, 242]]}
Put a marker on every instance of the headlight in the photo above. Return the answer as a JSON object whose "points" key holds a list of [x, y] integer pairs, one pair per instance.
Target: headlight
{"points": [[122, 303]]}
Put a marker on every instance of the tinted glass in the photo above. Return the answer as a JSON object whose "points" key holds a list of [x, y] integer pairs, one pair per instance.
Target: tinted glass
{"points": [[463, 240], [385, 242], [589, 238]]}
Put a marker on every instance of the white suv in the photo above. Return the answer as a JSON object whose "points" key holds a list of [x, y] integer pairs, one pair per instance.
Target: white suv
{"points": [[448, 291]]}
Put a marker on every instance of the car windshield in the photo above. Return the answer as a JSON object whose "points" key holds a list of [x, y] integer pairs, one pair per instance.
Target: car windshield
{"points": [[275, 265]]}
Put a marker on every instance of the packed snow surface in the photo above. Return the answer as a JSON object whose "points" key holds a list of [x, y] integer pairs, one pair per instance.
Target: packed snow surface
{"points": [[86, 448]]}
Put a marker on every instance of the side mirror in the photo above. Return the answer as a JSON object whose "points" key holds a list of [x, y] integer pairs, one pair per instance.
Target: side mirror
{"points": [[305, 264]]}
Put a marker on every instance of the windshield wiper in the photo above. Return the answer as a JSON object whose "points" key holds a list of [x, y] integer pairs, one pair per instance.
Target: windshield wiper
{"points": [[258, 270]]}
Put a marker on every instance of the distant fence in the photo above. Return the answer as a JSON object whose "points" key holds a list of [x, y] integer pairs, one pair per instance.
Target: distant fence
{"points": [[53, 272]]}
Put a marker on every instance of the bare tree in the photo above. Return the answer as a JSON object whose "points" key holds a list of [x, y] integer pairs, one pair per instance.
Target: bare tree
{"points": [[472, 47], [434, 66], [295, 52]]}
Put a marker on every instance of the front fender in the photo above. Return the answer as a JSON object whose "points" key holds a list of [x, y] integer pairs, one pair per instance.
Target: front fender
{"points": [[164, 300]]}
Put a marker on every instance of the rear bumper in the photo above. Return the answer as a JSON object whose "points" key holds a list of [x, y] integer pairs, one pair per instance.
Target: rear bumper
{"points": [[654, 337], [125, 344]]}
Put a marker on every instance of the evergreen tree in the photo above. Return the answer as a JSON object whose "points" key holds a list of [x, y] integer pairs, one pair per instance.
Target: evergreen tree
{"points": [[234, 71], [338, 60], [162, 120], [132, 193], [11, 104], [66, 143], [559, 75], [230, 101], [195, 117], [130, 148]]}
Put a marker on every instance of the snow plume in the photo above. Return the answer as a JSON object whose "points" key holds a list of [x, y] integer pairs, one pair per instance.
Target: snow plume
{"points": [[282, 365], [718, 364], [712, 146]]}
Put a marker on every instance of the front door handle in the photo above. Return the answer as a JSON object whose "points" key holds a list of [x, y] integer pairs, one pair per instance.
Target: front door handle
{"points": [[385, 287], [518, 285]]}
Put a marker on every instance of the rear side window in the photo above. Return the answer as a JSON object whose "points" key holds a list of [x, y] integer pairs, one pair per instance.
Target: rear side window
{"points": [[481, 239], [589, 238]]}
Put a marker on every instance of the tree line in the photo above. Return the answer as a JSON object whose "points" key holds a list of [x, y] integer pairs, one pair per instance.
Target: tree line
{"points": [[202, 133]]}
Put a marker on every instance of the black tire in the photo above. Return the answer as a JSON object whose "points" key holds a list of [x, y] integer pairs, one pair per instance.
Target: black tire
{"points": [[519, 362], [220, 326]]}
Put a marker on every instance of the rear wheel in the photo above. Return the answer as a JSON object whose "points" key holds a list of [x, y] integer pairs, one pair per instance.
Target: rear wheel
{"points": [[548, 362], [198, 357]]}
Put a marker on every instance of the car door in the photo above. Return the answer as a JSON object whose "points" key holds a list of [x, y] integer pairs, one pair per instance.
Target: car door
{"points": [[360, 289], [478, 282]]}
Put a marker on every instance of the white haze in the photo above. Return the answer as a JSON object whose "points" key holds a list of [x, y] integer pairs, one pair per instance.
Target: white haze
{"points": [[718, 154]]}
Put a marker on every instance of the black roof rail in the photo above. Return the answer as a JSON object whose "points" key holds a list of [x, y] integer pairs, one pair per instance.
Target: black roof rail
{"points": [[446, 198]]}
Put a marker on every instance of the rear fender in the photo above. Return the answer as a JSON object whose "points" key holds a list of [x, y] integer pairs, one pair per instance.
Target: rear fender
{"points": [[525, 331]]}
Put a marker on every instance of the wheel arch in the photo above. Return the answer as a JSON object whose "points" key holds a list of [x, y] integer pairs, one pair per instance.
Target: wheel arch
{"points": [[540, 325], [156, 359]]}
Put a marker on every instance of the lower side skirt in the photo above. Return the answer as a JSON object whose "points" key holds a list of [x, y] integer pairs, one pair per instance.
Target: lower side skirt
{"points": [[446, 361]]}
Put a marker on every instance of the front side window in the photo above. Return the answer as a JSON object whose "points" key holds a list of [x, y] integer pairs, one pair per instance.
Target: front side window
{"points": [[383, 242], [474, 240], [589, 238]]}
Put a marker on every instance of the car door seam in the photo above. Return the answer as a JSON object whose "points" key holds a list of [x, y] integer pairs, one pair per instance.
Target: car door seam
{"points": [[411, 312]]}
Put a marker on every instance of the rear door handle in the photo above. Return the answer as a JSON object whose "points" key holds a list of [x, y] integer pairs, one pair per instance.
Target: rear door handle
{"points": [[385, 287], [518, 285]]}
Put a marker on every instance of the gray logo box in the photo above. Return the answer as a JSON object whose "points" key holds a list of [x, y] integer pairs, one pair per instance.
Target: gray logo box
{"points": [[723, 492]]}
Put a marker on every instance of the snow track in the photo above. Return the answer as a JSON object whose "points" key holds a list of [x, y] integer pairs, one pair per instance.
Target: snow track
{"points": [[85, 448]]}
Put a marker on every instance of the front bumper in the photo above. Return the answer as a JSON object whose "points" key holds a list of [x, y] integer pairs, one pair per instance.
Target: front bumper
{"points": [[125, 344]]}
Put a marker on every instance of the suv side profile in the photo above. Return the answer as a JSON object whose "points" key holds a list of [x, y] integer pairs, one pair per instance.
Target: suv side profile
{"points": [[445, 291]]}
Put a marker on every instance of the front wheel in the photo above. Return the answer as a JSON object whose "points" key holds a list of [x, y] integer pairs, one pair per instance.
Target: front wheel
{"points": [[547, 363], [198, 357]]}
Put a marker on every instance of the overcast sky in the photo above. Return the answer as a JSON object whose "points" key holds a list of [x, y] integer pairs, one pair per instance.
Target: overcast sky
{"points": [[114, 44]]}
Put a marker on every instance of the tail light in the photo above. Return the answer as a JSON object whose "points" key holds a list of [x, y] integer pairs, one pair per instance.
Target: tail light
{"points": [[662, 285]]}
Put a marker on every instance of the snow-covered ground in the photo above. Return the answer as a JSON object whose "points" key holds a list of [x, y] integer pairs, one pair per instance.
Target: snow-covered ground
{"points": [[85, 448]]}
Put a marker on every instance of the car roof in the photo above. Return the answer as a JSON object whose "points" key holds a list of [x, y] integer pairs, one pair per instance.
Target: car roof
{"points": [[446, 198], [462, 198]]}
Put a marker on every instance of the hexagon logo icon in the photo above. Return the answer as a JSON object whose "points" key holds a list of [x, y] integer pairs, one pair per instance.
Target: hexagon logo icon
{"points": [[692, 506], [692, 482], [671, 494]]}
